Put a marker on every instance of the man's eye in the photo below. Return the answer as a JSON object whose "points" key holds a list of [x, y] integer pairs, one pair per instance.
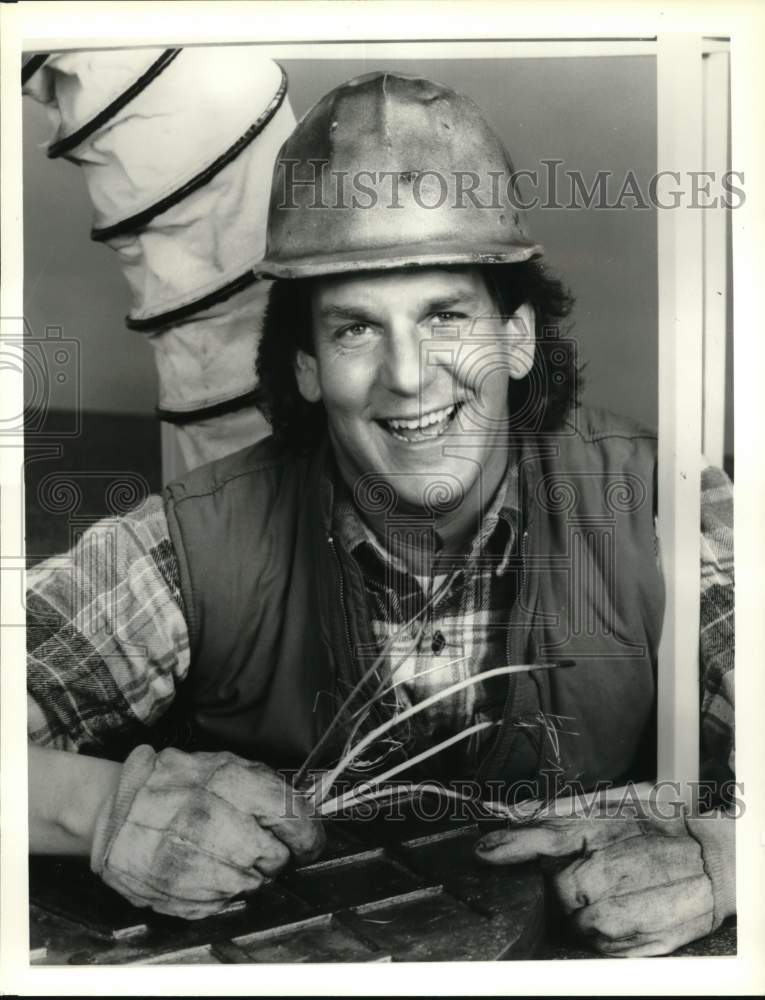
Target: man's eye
{"points": [[447, 317], [353, 332]]}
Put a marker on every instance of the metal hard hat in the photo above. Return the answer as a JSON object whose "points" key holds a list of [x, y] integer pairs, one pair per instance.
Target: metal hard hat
{"points": [[392, 171]]}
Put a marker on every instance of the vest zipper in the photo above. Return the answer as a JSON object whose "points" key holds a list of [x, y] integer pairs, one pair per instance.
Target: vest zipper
{"points": [[519, 601], [341, 589], [514, 654]]}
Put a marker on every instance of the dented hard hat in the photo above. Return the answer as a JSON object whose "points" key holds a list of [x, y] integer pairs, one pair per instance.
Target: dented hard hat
{"points": [[392, 171]]}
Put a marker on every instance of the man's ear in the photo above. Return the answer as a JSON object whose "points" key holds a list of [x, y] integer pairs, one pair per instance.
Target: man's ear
{"points": [[521, 331], [307, 375]]}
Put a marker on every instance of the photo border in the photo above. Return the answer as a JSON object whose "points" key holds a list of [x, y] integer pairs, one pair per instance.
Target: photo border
{"points": [[47, 26]]}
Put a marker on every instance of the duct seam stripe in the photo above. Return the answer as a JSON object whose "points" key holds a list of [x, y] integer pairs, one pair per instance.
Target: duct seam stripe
{"points": [[70, 142], [140, 219], [239, 402], [173, 316], [30, 67]]}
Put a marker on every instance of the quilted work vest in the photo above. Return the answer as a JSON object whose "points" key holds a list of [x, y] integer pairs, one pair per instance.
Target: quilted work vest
{"points": [[277, 610]]}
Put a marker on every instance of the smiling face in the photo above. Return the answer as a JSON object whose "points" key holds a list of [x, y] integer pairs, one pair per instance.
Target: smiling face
{"points": [[412, 369]]}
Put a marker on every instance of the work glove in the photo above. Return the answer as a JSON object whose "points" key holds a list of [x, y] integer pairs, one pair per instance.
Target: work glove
{"points": [[631, 886], [184, 833]]}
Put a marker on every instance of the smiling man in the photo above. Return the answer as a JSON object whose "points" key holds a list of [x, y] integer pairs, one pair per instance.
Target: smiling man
{"points": [[391, 408], [431, 502]]}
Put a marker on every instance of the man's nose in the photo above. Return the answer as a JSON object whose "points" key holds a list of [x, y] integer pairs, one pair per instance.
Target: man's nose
{"points": [[403, 371]]}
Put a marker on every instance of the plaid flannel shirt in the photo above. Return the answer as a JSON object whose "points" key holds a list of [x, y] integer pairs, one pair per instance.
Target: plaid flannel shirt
{"points": [[464, 613], [108, 641]]}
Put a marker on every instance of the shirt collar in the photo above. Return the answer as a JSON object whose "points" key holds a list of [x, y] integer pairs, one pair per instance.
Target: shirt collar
{"points": [[496, 534]]}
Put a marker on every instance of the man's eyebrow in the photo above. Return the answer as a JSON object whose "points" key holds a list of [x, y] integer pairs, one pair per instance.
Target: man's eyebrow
{"points": [[346, 312], [438, 304], [444, 302]]}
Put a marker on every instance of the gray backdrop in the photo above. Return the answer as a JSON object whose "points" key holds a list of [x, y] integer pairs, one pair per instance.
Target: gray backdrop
{"points": [[592, 113]]}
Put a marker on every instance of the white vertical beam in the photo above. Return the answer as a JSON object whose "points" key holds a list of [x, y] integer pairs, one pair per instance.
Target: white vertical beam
{"points": [[679, 148], [715, 160]]}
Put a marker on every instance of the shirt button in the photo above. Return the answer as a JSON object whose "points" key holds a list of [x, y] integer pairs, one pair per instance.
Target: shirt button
{"points": [[438, 642]]}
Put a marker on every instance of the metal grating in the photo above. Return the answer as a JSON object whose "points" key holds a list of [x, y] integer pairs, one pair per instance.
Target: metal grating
{"points": [[416, 896]]}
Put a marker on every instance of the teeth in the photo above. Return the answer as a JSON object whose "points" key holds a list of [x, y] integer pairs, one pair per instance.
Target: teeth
{"points": [[431, 426], [430, 418]]}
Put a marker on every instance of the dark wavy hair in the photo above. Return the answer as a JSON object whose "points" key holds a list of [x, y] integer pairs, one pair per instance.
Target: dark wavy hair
{"points": [[538, 402]]}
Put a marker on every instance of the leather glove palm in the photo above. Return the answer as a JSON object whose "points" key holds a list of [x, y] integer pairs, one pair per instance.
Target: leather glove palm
{"points": [[184, 833]]}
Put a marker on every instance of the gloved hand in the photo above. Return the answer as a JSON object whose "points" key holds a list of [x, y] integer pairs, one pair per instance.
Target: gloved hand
{"points": [[184, 833], [634, 886]]}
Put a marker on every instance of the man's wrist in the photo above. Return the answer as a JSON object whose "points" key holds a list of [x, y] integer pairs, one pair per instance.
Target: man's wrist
{"points": [[66, 794], [80, 810]]}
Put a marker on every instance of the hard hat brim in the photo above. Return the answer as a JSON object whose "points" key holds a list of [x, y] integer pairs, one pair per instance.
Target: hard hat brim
{"points": [[390, 258]]}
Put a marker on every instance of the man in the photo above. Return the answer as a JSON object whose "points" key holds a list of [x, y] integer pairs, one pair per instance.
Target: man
{"points": [[431, 507]]}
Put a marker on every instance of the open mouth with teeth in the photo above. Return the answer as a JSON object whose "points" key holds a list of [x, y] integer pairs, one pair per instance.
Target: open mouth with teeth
{"points": [[424, 428]]}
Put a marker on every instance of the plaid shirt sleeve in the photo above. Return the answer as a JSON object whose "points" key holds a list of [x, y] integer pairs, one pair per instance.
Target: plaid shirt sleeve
{"points": [[717, 634], [107, 640]]}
